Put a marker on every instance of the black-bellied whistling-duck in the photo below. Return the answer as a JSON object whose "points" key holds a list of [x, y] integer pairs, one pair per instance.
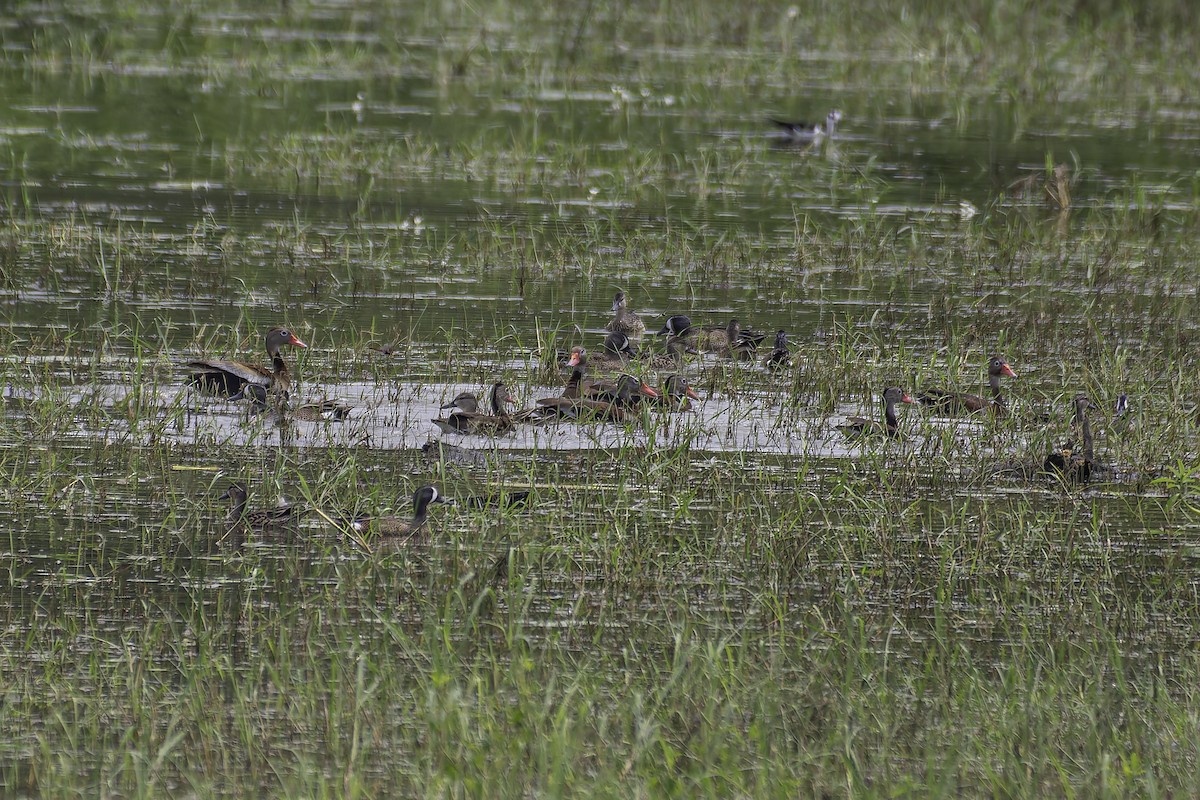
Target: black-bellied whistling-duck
{"points": [[952, 402], [399, 527], [573, 390], [805, 132], [626, 390], [1065, 462], [258, 519], [615, 406], [780, 357], [625, 321], [677, 394], [228, 377], [494, 424], [861, 426], [615, 354]]}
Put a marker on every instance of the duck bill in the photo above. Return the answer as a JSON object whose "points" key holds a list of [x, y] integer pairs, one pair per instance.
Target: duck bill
{"points": [[690, 392], [295, 341], [1007, 370], [906, 398], [508, 398], [647, 390], [574, 360]]}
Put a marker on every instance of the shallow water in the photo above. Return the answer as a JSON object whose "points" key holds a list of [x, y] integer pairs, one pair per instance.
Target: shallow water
{"points": [[159, 207]]}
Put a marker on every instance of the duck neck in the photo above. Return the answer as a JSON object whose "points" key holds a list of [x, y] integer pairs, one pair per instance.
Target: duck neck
{"points": [[498, 401], [238, 512], [1087, 433], [890, 418], [994, 382], [574, 381]]}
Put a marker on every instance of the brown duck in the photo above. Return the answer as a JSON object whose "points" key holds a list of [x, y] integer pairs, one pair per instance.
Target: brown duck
{"points": [[322, 411], [472, 422], [1064, 462], [258, 519], [961, 402], [615, 354], [228, 377], [624, 321], [860, 426], [677, 394], [677, 346]]}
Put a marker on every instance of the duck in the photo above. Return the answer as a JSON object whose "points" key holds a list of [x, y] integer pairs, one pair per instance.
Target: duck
{"points": [[228, 377], [472, 422], [607, 404], [625, 321], [626, 390], [677, 346], [617, 351], [677, 325], [1064, 462], [394, 527], [463, 401], [573, 390], [677, 394], [861, 426], [804, 132], [780, 357], [258, 519], [322, 411], [954, 402], [732, 341]]}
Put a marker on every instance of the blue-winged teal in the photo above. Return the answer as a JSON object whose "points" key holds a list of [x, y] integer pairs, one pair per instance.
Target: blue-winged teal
{"points": [[472, 422], [393, 526], [615, 354], [625, 321], [677, 346], [677, 325], [802, 132], [261, 518], [323, 411]]}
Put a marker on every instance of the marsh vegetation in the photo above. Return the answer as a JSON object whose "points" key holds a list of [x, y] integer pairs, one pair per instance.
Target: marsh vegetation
{"points": [[731, 601]]}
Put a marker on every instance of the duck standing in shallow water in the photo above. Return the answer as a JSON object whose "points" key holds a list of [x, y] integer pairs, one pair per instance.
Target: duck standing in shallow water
{"points": [[960, 402], [625, 321], [677, 346], [855, 427], [227, 377]]}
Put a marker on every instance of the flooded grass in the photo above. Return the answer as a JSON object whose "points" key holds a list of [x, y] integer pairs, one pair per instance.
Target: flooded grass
{"points": [[736, 600]]}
